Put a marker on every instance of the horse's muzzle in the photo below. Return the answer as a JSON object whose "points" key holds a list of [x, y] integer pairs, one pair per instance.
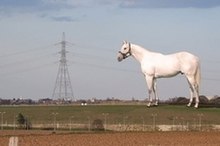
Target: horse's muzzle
{"points": [[120, 57]]}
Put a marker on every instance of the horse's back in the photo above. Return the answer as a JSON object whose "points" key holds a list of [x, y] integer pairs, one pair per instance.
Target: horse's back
{"points": [[187, 57]]}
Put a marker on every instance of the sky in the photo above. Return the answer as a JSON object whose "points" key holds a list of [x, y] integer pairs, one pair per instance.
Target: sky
{"points": [[30, 32]]}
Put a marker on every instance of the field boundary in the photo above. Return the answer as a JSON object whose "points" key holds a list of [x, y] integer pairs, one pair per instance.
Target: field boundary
{"points": [[111, 118], [121, 127]]}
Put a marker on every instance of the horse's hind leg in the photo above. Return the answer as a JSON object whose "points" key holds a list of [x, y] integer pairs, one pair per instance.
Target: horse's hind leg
{"points": [[155, 92], [191, 96], [196, 91], [193, 91]]}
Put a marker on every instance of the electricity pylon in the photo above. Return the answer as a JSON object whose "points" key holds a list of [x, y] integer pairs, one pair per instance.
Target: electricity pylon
{"points": [[63, 88]]}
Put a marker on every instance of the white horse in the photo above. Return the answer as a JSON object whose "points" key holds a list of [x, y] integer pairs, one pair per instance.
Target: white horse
{"points": [[156, 65]]}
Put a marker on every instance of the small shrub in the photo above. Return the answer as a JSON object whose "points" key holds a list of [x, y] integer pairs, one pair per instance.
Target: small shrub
{"points": [[97, 125]]}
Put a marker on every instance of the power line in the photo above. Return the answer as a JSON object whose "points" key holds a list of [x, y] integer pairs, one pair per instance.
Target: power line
{"points": [[25, 51], [211, 79], [106, 67], [87, 55], [91, 48], [26, 61], [25, 70]]}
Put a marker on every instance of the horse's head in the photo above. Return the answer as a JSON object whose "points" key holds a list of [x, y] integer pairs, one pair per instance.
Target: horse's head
{"points": [[125, 51]]}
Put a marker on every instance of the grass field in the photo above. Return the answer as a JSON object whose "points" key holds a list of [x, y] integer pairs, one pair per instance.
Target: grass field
{"points": [[133, 114]]}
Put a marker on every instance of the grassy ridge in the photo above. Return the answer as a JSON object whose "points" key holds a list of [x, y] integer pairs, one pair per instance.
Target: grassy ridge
{"points": [[134, 114]]}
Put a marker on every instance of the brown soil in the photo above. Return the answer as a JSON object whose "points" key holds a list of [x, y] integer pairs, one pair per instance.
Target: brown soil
{"points": [[42, 138]]}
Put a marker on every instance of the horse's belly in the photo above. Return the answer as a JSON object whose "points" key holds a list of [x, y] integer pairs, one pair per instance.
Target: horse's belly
{"points": [[166, 74]]}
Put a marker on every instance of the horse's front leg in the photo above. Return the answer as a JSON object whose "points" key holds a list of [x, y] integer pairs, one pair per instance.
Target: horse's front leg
{"points": [[150, 97], [149, 81]]}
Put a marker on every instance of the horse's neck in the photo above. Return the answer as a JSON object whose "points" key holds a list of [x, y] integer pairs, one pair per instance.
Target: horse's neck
{"points": [[138, 52]]}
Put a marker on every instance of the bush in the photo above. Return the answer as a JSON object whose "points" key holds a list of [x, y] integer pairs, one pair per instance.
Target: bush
{"points": [[215, 101], [97, 125], [183, 100], [179, 100], [203, 100]]}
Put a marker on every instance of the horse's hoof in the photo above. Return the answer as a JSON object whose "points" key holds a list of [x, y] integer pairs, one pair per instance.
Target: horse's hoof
{"points": [[148, 105], [196, 107]]}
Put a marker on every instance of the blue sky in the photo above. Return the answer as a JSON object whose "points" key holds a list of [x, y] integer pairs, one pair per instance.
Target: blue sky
{"points": [[96, 29]]}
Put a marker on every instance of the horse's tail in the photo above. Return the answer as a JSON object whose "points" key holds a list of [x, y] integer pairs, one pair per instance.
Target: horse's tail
{"points": [[198, 75]]}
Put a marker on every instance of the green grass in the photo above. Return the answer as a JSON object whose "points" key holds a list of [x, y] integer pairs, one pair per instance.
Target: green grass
{"points": [[134, 114]]}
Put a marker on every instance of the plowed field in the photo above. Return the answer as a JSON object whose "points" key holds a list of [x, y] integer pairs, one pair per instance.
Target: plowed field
{"points": [[42, 138]]}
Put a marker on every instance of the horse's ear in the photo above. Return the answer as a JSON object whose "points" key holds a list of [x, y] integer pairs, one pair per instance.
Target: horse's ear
{"points": [[125, 42]]}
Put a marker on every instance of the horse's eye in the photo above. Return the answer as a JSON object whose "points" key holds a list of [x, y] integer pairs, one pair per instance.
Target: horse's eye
{"points": [[125, 48]]}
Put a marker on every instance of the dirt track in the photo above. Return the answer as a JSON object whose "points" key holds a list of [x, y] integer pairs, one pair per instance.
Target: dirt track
{"points": [[39, 138]]}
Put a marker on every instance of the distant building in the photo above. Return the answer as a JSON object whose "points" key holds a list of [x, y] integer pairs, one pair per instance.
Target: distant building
{"points": [[5, 101], [45, 101]]}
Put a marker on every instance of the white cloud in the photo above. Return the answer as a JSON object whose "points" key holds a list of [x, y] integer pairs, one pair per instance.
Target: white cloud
{"points": [[63, 18], [22, 6]]}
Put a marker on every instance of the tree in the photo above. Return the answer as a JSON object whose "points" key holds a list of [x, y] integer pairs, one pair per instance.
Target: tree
{"points": [[23, 122]]}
